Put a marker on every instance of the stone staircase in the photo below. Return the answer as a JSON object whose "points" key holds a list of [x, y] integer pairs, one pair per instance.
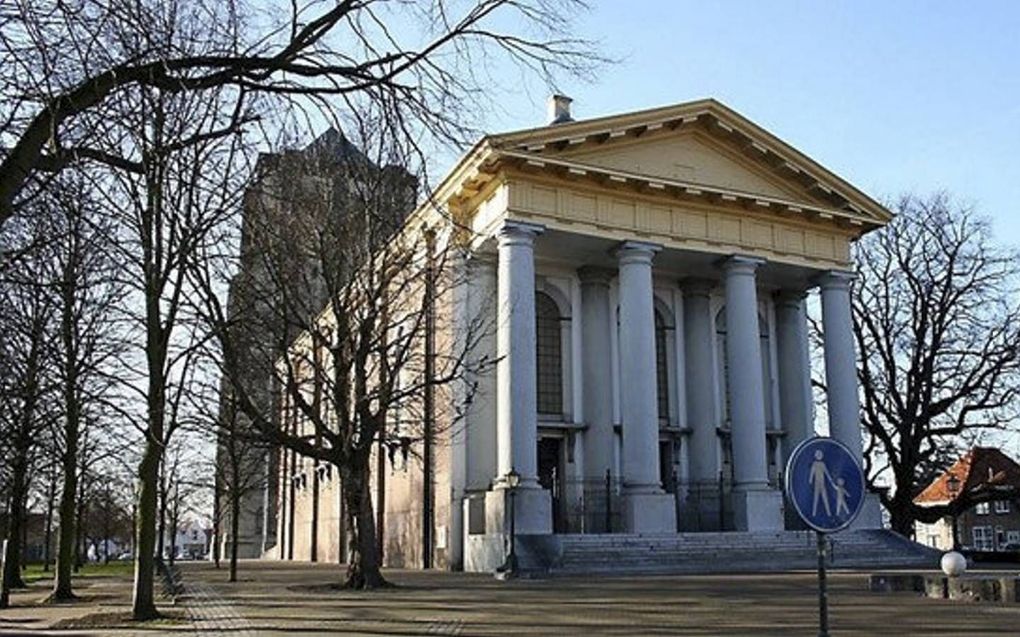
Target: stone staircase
{"points": [[731, 552]]}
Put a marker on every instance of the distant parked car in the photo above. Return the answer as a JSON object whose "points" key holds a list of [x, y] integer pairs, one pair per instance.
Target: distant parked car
{"points": [[125, 557]]}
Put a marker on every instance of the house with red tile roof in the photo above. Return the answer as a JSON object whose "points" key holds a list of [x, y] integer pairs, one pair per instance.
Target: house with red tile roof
{"points": [[984, 473]]}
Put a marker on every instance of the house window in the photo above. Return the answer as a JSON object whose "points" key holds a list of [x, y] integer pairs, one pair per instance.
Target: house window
{"points": [[983, 540], [549, 356], [1002, 506], [1013, 538], [661, 367], [982, 508]]}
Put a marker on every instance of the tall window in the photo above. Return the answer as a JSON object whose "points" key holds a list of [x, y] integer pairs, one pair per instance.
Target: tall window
{"points": [[549, 355], [661, 369], [723, 367]]}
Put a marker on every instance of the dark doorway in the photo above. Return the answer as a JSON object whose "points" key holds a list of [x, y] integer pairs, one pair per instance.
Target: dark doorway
{"points": [[666, 466], [550, 476]]}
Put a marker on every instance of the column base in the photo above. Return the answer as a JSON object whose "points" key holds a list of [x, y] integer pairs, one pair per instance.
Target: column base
{"points": [[532, 511], [649, 513], [758, 510], [870, 516]]}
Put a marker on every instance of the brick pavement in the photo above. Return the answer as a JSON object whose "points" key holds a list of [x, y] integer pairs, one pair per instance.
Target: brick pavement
{"points": [[296, 598]]}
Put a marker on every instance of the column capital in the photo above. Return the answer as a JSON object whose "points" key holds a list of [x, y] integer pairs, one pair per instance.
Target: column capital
{"points": [[790, 296], [636, 252], [835, 279], [518, 233], [740, 264], [696, 286], [596, 275]]}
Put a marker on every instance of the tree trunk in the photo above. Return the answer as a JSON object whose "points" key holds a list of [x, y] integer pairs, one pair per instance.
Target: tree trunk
{"points": [[15, 523], [161, 533], [363, 571], [62, 588], [143, 605], [79, 544], [217, 520], [51, 495], [901, 518], [10, 578], [235, 525]]}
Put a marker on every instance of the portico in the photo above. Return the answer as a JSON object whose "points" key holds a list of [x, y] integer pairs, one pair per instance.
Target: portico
{"points": [[720, 399], [683, 356]]}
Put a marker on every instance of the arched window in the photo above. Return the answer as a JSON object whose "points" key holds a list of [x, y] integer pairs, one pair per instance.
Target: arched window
{"points": [[661, 367], [549, 355], [723, 366]]}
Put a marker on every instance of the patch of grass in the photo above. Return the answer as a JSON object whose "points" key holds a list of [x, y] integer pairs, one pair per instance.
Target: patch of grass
{"points": [[35, 572]]}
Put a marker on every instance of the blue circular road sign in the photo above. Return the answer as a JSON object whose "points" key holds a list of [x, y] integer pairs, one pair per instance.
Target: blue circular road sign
{"points": [[825, 484]]}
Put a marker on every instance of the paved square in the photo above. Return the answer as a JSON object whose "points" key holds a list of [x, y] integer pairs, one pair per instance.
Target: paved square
{"points": [[276, 598]]}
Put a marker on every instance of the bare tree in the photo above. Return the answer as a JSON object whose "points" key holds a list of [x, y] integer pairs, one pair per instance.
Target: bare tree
{"points": [[367, 355], [937, 324], [163, 212], [85, 296], [156, 94], [239, 472], [26, 312], [63, 62]]}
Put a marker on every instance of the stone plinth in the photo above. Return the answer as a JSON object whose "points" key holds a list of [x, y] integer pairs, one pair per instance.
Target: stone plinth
{"points": [[758, 510], [975, 587]]}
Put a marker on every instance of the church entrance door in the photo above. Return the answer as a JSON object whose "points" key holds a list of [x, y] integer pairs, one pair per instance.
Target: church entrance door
{"points": [[551, 476]]}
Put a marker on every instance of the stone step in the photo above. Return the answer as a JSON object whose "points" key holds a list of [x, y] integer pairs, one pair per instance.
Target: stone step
{"points": [[721, 552]]}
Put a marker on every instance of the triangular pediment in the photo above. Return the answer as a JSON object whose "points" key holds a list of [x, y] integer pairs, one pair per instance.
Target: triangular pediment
{"points": [[697, 143], [694, 158]]}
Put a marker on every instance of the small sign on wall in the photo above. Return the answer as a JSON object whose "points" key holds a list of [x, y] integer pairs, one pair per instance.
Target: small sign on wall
{"points": [[441, 537]]}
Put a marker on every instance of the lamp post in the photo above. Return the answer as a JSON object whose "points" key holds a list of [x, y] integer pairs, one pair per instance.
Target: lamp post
{"points": [[953, 484], [509, 568]]}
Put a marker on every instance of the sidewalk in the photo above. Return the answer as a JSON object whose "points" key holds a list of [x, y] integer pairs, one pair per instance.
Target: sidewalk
{"points": [[104, 604], [274, 598]]}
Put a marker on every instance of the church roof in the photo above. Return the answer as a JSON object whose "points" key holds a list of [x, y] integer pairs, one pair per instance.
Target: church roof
{"points": [[714, 118], [980, 469]]}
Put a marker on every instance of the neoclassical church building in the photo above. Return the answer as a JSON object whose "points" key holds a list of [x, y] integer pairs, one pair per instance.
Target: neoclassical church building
{"points": [[647, 274]]}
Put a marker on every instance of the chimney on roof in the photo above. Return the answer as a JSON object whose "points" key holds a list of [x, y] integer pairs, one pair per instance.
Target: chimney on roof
{"points": [[559, 109]]}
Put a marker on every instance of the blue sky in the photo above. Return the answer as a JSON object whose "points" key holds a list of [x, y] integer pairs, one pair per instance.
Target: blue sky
{"points": [[893, 96]]}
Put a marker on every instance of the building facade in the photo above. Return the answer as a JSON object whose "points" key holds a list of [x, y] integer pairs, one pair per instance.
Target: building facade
{"points": [[988, 526], [645, 277], [278, 288]]}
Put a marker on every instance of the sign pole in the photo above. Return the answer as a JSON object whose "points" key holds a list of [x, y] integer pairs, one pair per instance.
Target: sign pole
{"points": [[825, 485], [823, 591]]}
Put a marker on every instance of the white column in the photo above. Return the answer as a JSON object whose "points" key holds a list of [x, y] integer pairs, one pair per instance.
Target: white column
{"points": [[841, 380], [516, 395], [743, 358], [840, 361], [639, 405], [795, 413], [647, 508], [698, 379], [516, 385], [597, 391], [755, 506], [596, 371]]}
